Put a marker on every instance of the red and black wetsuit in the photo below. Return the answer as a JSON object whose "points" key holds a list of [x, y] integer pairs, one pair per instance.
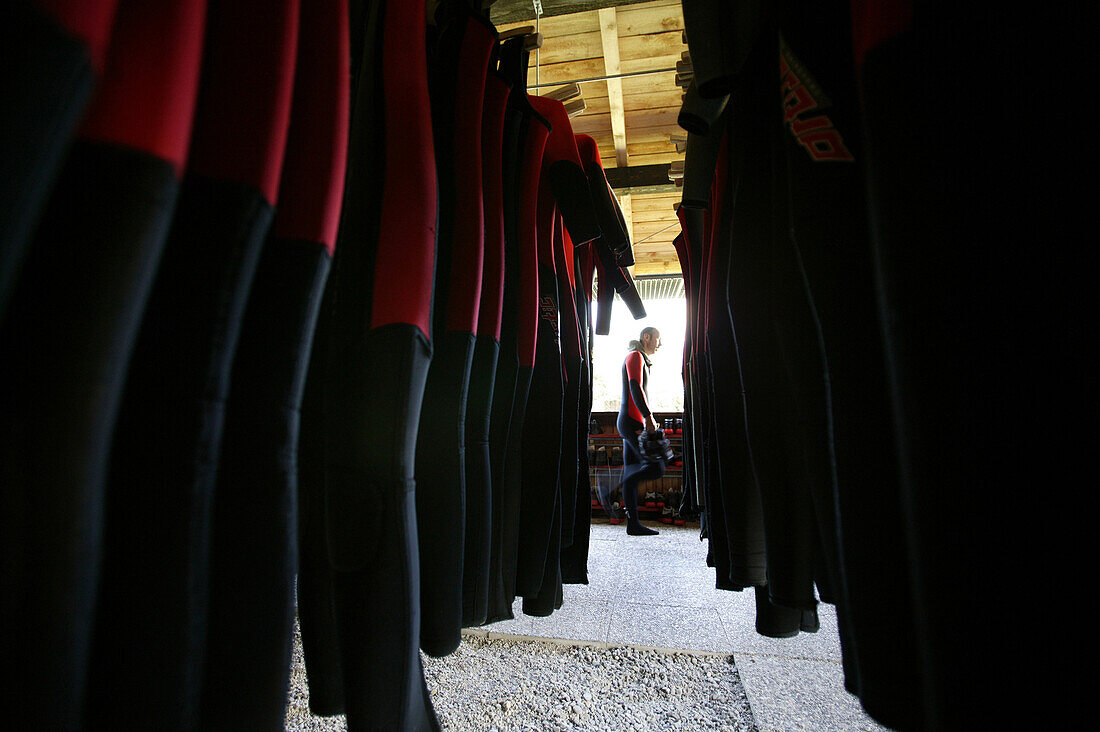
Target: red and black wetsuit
{"points": [[482, 495], [633, 409], [459, 62], [361, 409], [164, 460], [254, 529], [54, 53], [71, 324]]}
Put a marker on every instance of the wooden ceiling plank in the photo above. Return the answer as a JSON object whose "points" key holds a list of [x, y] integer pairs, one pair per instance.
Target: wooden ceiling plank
{"points": [[519, 11], [609, 34]]}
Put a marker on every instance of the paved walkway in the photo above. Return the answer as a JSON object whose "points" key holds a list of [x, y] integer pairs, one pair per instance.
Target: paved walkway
{"points": [[657, 591]]}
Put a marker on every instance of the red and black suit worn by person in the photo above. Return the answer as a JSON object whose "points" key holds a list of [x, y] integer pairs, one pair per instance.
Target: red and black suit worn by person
{"points": [[66, 341], [164, 459], [634, 414], [254, 543], [53, 55], [365, 389], [459, 62]]}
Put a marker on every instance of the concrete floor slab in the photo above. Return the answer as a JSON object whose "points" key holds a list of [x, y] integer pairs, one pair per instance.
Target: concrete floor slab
{"points": [[793, 694], [667, 626], [576, 620]]}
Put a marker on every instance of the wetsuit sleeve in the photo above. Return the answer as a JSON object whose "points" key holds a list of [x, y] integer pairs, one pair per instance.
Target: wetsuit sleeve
{"points": [[634, 380]]}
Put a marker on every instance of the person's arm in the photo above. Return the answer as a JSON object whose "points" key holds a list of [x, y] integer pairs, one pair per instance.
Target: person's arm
{"points": [[634, 383]]}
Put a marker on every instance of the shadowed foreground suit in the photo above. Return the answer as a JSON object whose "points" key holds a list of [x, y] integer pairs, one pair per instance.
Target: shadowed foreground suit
{"points": [[154, 595], [53, 54], [67, 338]]}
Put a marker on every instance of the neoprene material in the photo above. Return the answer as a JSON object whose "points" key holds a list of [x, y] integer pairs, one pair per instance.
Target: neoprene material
{"points": [[71, 325], [735, 486], [154, 594], [613, 278], [53, 53], [574, 557], [987, 397], [358, 514], [571, 364], [720, 35], [481, 499], [459, 64], [698, 114], [699, 164], [540, 502], [565, 174], [511, 383], [254, 547], [531, 324]]}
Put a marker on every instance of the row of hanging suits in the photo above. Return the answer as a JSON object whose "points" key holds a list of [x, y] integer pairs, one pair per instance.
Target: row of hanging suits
{"points": [[296, 317], [868, 301], [442, 469]]}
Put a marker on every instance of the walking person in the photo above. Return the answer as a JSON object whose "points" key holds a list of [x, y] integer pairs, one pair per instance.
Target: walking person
{"points": [[634, 416]]}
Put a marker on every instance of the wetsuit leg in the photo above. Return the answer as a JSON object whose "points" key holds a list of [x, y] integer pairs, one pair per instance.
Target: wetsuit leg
{"points": [[51, 64], [458, 83], [155, 592], [574, 558], [315, 592], [65, 344], [634, 470], [379, 312], [541, 452], [254, 542], [513, 487]]}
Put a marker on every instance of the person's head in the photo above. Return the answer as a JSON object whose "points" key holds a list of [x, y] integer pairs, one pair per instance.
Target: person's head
{"points": [[648, 341]]}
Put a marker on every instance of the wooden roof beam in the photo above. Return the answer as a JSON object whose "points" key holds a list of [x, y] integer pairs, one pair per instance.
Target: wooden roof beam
{"points": [[609, 34], [515, 11]]}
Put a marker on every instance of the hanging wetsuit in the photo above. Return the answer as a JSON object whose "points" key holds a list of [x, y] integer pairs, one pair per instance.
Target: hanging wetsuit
{"points": [[459, 66], [524, 138], [613, 239], [364, 393], [481, 528], [254, 542], [563, 187], [54, 52], [574, 557], [690, 501], [633, 411], [572, 365], [540, 502], [66, 341], [154, 594], [974, 246]]}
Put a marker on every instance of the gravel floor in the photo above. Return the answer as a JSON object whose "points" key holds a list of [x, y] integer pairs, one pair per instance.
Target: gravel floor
{"points": [[507, 684]]}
